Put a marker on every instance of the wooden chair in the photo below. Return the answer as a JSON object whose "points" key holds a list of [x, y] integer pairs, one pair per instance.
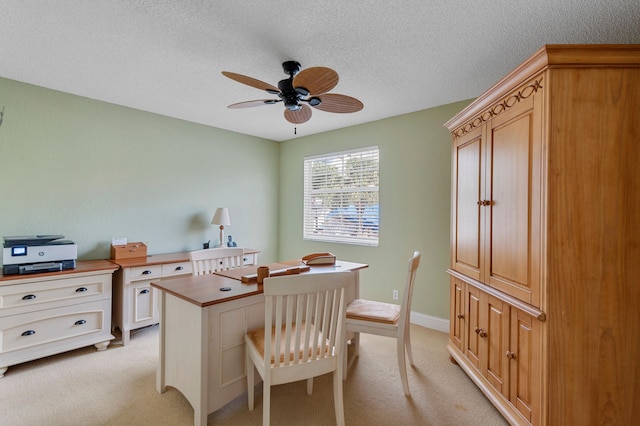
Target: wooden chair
{"points": [[386, 319], [212, 260], [304, 337]]}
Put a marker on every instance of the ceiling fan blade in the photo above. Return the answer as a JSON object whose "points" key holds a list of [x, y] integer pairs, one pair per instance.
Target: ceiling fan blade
{"points": [[250, 81], [257, 102], [332, 102], [298, 117], [317, 80]]}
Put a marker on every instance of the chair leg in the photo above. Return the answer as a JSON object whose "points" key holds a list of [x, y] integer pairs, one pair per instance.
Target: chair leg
{"points": [[356, 338], [402, 366], [407, 345], [266, 399], [344, 361], [250, 381], [338, 401], [309, 385]]}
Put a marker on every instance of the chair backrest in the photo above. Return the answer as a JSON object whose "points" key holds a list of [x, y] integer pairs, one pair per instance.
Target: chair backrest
{"points": [[306, 313], [405, 306], [212, 260]]}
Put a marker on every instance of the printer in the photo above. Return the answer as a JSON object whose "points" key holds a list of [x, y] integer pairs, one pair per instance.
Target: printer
{"points": [[38, 253]]}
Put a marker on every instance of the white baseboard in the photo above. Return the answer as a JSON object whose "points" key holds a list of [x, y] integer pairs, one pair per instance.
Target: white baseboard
{"points": [[427, 321]]}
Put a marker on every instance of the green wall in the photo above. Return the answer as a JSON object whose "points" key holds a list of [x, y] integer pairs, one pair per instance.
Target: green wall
{"points": [[415, 168], [92, 171]]}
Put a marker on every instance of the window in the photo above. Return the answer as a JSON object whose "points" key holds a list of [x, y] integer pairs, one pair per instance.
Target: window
{"points": [[341, 197]]}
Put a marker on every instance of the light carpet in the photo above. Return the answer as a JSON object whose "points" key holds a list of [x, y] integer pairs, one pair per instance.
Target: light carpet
{"points": [[117, 387]]}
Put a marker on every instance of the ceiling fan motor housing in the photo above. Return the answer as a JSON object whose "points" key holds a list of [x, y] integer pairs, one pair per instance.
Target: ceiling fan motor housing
{"points": [[288, 94]]}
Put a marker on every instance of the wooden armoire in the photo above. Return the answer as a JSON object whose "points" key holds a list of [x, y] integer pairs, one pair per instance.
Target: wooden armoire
{"points": [[545, 238]]}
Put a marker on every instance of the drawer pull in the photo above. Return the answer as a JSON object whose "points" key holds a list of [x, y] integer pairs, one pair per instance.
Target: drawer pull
{"points": [[480, 332], [179, 268], [29, 333], [145, 291], [80, 322], [510, 355], [147, 272], [81, 289], [29, 297], [460, 316]]}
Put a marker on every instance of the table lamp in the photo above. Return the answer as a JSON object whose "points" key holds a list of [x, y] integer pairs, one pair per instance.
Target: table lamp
{"points": [[221, 217]]}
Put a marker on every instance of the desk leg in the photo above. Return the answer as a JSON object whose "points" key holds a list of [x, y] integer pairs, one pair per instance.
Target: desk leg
{"points": [[351, 336], [160, 372], [184, 353]]}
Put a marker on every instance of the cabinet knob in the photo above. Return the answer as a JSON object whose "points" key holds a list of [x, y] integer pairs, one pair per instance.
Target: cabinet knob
{"points": [[147, 272], [80, 322], [81, 289], [179, 268], [29, 333], [510, 355], [145, 291], [480, 332], [460, 316], [29, 297]]}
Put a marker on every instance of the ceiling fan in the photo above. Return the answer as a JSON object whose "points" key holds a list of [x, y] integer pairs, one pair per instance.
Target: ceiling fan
{"points": [[302, 89]]}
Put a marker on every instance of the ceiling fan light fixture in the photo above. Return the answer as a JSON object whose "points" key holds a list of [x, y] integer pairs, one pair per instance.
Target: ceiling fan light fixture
{"points": [[302, 91]]}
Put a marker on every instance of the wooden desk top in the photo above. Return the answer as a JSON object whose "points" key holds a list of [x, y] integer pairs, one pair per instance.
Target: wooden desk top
{"points": [[204, 290]]}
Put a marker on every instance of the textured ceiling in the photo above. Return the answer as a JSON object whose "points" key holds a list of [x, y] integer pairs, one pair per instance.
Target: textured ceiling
{"points": [[395, 56]]}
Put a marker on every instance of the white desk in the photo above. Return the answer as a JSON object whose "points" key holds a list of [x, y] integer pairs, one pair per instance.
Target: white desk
{"points": [[202, 334]]}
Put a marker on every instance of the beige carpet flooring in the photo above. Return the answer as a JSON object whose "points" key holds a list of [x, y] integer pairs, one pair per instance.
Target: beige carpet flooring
{"points": [[117, 387]]}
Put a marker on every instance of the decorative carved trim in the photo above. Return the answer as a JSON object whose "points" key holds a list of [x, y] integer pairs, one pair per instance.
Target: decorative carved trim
{"points": [[497, 109]]}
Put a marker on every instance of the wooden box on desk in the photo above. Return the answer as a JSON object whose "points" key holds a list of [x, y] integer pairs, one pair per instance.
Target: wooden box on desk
{"points": [[129, 250]]}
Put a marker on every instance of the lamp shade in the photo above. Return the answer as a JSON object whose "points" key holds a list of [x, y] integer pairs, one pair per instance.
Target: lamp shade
{"points": [[221, 217]]}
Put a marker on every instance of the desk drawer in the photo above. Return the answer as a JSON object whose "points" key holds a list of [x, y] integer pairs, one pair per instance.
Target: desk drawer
{"points": [[22, 298], [52, 325], [250, 259], [172, 269], [144, 273]]}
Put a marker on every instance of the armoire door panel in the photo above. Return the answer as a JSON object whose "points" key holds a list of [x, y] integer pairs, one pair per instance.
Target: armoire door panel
{"points": [[497, 327], [472, 342], [458, 313], [509, 246], [467, 205], [524, 366]]}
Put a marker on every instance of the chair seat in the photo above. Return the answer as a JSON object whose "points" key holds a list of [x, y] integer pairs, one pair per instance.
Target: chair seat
{"points": [[369, 310], [257, 337]]}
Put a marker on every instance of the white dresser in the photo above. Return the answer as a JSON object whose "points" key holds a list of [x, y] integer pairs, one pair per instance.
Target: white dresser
{"points": [[135, 302], [45, 314]]}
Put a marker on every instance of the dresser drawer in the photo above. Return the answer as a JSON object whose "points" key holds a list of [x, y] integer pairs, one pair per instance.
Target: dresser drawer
{"points": [[51, 325], [181, 268], [17, 299], [143, 273]]}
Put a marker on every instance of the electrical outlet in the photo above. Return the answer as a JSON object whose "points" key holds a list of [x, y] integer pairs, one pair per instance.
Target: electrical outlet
{"points": [[395, 294]]}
